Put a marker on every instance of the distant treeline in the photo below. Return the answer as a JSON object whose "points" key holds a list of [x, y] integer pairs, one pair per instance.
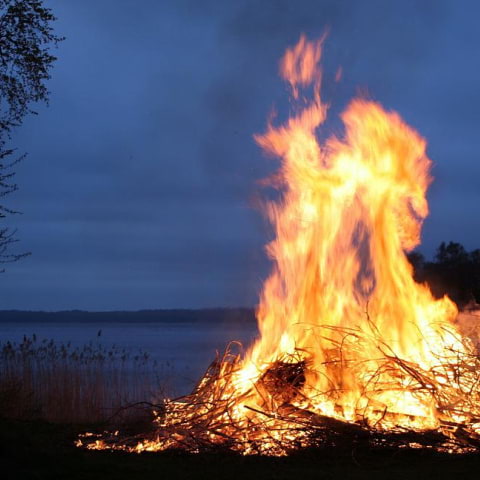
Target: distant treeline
{"points": [[454, 272], [177, 316]]}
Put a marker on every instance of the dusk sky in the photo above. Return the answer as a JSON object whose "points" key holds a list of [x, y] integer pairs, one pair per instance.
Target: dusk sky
{"points": [[141, 183]]}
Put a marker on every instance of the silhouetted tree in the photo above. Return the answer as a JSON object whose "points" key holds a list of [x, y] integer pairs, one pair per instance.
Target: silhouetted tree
{"points": [[26, 38], [455, 272], [418, 262], [475, 262], [451, 254]]}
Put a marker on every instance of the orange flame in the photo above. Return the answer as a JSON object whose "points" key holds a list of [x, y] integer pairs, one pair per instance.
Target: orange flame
{"points": [[341, 291], [299, 65]]}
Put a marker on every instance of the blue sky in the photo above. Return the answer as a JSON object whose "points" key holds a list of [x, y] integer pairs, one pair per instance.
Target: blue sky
{"points": [[141, 182]]}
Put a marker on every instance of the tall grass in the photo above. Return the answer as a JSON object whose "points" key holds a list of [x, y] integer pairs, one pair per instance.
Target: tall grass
{"points": [[59, 382]]}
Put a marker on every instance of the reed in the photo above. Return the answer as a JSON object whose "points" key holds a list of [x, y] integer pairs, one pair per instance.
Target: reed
{"points": [[59, 382]]}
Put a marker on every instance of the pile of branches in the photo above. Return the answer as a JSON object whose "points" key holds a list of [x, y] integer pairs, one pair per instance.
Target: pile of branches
{"points": [[215, 417]]}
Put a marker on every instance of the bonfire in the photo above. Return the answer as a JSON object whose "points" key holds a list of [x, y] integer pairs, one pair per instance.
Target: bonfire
{"points": [[350, 347]]}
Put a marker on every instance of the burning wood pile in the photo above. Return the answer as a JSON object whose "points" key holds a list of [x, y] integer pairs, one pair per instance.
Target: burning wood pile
{"points": [[351, 349]]}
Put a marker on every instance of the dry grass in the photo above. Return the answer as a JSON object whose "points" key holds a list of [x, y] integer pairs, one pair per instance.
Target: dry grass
{"points": [[61, 383]]}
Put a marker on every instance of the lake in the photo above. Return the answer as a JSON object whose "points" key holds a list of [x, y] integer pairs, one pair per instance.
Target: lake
{"points": [[181, 350]]}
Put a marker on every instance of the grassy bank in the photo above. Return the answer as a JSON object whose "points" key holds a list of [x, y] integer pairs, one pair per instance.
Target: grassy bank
{"points": [[40, 450]]}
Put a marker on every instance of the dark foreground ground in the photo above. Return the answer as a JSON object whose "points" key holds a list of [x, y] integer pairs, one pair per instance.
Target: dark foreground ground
{"points": [[38, 450]]}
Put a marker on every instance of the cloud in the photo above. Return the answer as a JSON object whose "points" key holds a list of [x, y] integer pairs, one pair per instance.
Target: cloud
{"points": [[141, 175]]}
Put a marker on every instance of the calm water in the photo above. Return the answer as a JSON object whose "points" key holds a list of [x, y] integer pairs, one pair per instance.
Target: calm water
{"points": [[182, 351]]}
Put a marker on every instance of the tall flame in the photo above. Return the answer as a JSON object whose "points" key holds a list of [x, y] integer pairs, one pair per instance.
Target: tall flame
{"points": [[341, 291]]}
